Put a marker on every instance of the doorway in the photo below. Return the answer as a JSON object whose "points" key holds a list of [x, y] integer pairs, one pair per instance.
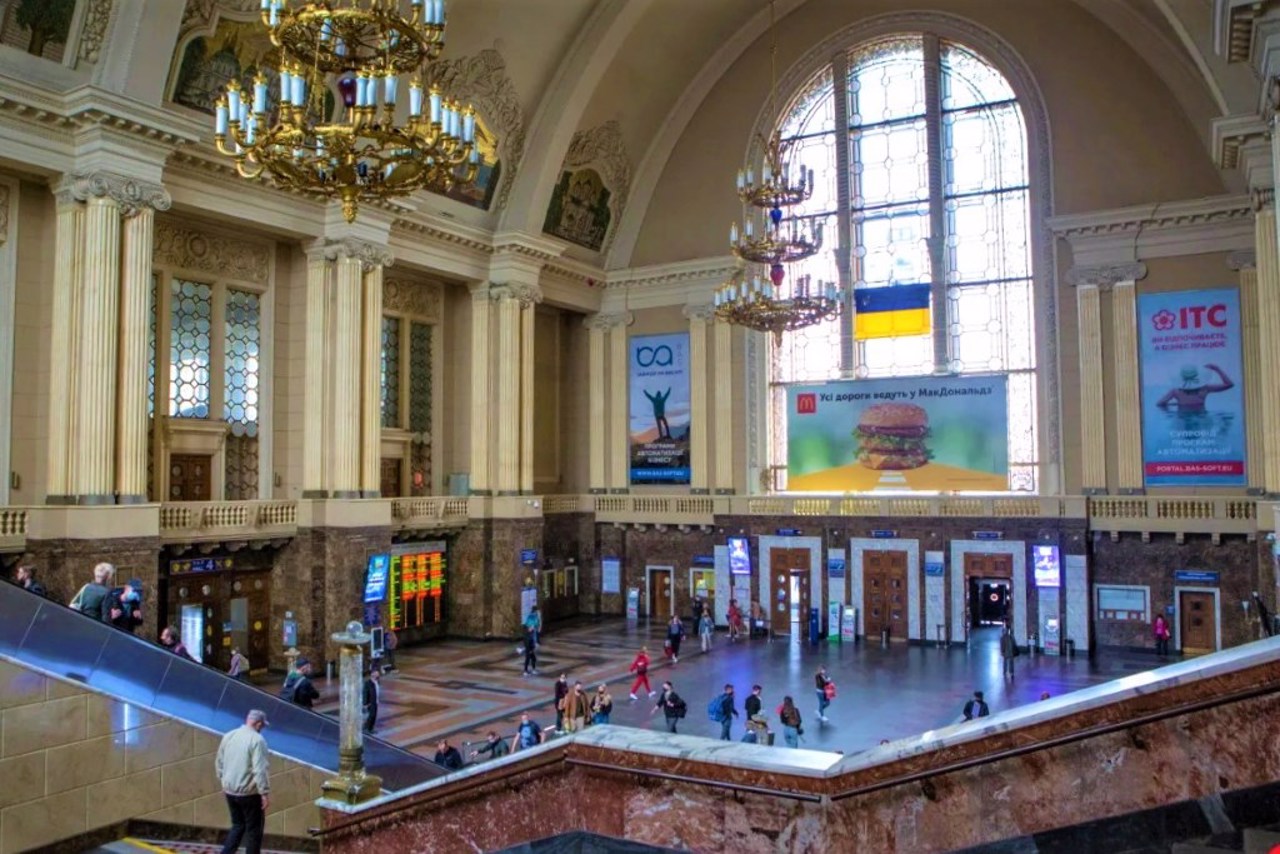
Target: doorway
{"points": [[798, 600], [660, 593], [189, 477], [1197, 621], [884, 593], [790, 569], [703, 584], [989, 600], [390, 481]]}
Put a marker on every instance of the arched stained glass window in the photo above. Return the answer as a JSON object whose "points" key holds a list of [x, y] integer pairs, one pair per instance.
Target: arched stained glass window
{"points": [[921, 178]]}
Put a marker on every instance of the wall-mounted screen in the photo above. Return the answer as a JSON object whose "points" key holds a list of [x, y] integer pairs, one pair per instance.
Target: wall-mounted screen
{"points": [[739, 556], [1047, 566], [375, 579], [416, 572]]}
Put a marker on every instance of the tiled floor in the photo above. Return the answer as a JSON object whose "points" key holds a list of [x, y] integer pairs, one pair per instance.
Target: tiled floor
{"points": [[462, 689]]}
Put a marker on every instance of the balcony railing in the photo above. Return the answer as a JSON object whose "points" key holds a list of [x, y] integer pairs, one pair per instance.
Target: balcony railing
{"points": [[13, 529], [205, 521], [1179, 515], [432, 512]]}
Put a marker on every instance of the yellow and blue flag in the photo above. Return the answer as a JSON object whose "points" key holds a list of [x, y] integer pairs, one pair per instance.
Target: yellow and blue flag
{"points": [[891, 312]]}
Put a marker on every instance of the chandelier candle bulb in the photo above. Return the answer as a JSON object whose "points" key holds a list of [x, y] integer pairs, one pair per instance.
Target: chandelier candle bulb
{"points": [[298, 88], [469, 125], [389, 94], [233, 101], [220, 118], [259, 94], [415, 99], [436, 106]]}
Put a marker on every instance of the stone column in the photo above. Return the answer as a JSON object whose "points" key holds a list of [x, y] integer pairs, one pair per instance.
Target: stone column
{"points": [[699, 424], [597, 429], [507, 371], [1244, 262], [1093, 445], [344, 448], [68, 239], [135, 321], [480, 456], [1268, 257], [619, 449], [315, 403], [1128, 399], [722, 478], [527, 391], [371, 386]]}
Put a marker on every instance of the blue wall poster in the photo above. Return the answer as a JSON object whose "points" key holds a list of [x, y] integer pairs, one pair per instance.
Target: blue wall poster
{"points": [[658, 422], [1192, 388]]}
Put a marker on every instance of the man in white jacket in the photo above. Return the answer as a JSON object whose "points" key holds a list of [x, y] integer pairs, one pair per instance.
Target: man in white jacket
{"points": [[242, 770]]}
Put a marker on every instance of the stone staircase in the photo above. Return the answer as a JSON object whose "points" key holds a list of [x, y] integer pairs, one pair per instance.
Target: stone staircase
{"points": [[1252, 840]]}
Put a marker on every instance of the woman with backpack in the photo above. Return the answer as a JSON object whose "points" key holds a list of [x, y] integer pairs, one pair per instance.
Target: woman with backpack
{"points": [[789, 716]]}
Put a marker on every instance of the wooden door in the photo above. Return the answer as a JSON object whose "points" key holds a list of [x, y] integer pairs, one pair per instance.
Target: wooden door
{"points": [[391, 478], [1197, 622], [189, 477], [660, 594], [978, 566], [884, 593], [782, 564]]}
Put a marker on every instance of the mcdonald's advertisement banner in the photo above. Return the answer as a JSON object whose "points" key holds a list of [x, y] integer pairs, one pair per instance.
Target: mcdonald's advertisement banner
{"points": [[918, 433], [658, 426], [1192, 388]]}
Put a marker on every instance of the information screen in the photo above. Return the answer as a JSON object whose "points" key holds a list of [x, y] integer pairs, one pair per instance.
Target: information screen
{"points": [[1047, 567], [739, 556], [416, 573], [375, 579]]}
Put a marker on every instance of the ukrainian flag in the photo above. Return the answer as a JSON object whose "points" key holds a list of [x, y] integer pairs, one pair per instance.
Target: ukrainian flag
{"points": [[892, 311]]}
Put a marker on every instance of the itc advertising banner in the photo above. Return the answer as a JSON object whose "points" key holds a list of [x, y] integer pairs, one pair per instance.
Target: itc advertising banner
{"points": [[659, 408], [922, 433], [1192, 388]]}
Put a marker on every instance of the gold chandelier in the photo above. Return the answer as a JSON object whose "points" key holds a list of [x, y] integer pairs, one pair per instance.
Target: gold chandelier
{"points": [[350, 147], [770, 238]]}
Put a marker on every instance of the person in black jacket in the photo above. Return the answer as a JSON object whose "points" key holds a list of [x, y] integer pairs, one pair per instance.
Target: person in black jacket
{"points": [[976, 708], [753, 703], [124, 606], [26, 579], [372, 693], [298, 688], [494, 747], [447, 756]]}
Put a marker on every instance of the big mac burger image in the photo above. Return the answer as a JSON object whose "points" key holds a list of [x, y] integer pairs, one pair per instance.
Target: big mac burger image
{"points": [[891, 437]]}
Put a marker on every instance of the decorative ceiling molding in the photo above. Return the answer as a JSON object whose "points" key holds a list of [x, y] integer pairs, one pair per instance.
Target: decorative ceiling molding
{"points": [[1122, 235], [601, 148], [1233, 22], [203, 14], [482, 81], [663, 285], [93, 32]]}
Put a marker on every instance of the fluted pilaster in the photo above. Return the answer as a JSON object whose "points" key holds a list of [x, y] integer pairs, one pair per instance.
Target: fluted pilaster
{"points": [[135, 315], [619, 448], [345, 446], [1128, 400], [69, 237], [315, 400], [527, 317], [1093, 443], [93, 430], [1268, 256], [698, 316], [371, 385], [507, 416], [481, 312], [722, 480], [1246, 265], [596, 426]]}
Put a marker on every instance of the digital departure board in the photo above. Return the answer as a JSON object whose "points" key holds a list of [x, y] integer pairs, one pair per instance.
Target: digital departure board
{"points": [[417, 572]]}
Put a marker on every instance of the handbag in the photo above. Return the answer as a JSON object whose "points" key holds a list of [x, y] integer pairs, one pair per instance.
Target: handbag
{"points": [[829, 690]]}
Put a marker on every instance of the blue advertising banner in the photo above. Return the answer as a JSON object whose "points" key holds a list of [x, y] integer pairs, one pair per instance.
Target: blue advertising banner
{"points": [[913, 433], [659, 408], [1192, 388]]}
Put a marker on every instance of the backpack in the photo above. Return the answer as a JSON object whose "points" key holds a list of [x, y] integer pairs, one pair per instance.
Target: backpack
{"points": [[679, 706], [715, 709], [289, 689]]}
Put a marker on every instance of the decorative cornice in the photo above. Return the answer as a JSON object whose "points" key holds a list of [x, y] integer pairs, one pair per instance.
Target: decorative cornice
{"points": [[4, 213], [1232, 133], [704, 269], [1165, 229], [1263, 198], [1242, 259], [526, 295], [200, 14], [1106, 276], [603, 322], [444, 235], [183, 247], [93, 31], [702, 312], [1153, 217], [368, 254], [130, 194]]}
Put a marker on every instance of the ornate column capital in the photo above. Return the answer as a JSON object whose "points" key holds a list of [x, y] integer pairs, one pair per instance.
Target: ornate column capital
{"points": [[1263, 198], [704, 312], [604, 322], [1105, 276], [1242, 259], [526, 295], [130, 194], [369, 255]]}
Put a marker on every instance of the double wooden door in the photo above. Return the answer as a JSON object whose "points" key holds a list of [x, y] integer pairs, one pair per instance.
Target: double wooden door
{"points": [[884, 593], [1197, 622], [791, 595], [660, 593], [190, 477]]}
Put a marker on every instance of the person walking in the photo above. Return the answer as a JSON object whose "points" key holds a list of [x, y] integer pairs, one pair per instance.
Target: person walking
{"points": [[672, 705], [562, 691], [495, 747], [577, 707], [528, 733], [675, 634], [826, 691], [243, 773], [698, 607], [26, 579], [789, 717], [372, 696], [389, 644], [1160, 628], [640, 667], [239, 668], [530, 652], [1008, 650], [169, 640], [728, 711], [601, 705], [754, 702], [706, 627], [447, 756], [735, 621], [298, 688], [533, 625], [91, 599], [976, 708]]}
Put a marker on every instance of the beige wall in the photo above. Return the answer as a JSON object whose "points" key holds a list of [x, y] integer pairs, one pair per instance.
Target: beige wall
{"points": [[73, 760], [456, 329], [289, 369], [33, 308], [548, 392], [575, 403]]}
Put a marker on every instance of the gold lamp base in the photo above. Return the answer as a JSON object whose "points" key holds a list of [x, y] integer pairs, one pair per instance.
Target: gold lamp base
{"points": [[350, 789]]}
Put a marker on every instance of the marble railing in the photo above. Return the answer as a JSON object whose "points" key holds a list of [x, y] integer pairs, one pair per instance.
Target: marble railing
{"points": [[13, 529], [1093, 754], [438, 511], [203, 521], [1146, 513]]}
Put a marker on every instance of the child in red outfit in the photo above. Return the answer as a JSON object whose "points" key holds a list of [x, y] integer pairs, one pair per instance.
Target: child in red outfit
{"points": [[640, 667]]}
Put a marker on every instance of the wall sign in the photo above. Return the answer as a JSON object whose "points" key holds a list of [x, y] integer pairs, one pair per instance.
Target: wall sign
{"points": [[835, 567], [788, 532], [988, 535], [882, 534], [528, 557], [610, 575], [1197, 576]]}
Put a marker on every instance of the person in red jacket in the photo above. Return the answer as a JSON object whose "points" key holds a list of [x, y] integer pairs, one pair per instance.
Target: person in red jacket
{"points": [[640, 667]]}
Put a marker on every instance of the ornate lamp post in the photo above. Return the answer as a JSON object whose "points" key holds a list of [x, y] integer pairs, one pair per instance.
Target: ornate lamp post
{"points": [[352, 785]]}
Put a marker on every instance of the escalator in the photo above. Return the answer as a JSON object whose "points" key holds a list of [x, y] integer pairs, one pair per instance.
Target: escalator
{"points": [[48, 636]]}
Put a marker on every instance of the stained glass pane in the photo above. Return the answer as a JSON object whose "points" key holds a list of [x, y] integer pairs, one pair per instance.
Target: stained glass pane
{"points": [[816, 154], [886, 81], [985, 149], [967, 79], [890, 164], [420, 377], [243, 345], [813, 110], [907, 355], [391, 372], [191, 322], [891, 246]]}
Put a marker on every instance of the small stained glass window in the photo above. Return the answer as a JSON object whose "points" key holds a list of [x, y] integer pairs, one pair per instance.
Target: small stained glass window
{"points": [[191, 322]]}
